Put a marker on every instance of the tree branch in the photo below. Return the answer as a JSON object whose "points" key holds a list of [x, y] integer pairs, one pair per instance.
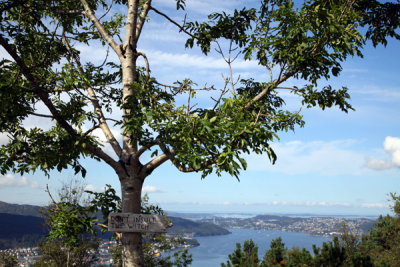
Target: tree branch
{"points": [[147, 63], [173, 22], [40, 115], [43, 95], [97, 108], [271, 87], [89, 13], [142, 18], [205, 88], [170, 155], [131, 22], [149, 167], [108, 10], [143, 149], [51, 197]]}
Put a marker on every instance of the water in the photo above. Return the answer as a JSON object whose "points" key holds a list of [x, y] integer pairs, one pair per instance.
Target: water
{"points": [[214, 250]]}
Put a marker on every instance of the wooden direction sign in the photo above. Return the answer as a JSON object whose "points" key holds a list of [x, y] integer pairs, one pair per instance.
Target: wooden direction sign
{"points": [[130, 222]]}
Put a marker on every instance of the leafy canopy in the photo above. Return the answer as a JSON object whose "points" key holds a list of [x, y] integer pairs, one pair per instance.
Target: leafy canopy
{"points": [[307, 42]]}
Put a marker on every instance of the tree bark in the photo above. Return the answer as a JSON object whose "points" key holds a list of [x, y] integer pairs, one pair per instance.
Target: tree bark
{"points": [[132, 253]]}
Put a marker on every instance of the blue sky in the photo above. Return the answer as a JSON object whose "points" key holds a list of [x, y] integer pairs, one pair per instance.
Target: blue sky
{"points": [[337, 164]]}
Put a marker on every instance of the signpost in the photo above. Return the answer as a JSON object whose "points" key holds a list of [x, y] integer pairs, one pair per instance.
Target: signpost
{"points": [[130, 222]]}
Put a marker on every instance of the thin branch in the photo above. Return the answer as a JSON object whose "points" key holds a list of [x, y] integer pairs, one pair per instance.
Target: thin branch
{"points": [[219, 51], [40, 115], [89, 13], [118, 235], [51, 197], [229, 61], [286, 88], [105, 59], [270, 73], [108, 10], [95, 102], [188, 103], [147, 63], [223, 92], [142, 18], [91, 130], [205, 88], [114, 120], [173, 22]]}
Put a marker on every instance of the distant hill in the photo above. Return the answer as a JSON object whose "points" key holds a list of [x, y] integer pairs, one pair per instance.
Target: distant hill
{"points": [[319, 226], [12, 225], [184, 226], [19, 230], [22, 225], [27, 210]]}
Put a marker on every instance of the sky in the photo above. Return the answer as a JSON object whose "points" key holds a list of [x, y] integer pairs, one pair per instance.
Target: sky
{"points": [[338, 164]]}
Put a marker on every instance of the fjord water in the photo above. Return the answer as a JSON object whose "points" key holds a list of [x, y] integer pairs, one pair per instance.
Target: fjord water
{"points": [[214, 250]]}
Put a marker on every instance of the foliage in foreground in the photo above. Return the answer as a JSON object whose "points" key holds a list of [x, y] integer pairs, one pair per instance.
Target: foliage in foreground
{"points": [[74, 225], [7, 259], [381, 247]]}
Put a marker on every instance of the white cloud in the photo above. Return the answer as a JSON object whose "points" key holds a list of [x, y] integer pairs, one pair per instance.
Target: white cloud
{"points": [[280, 203], [203, 7], [96, 53], [152, 189], [4, 54], [308, 203], [159, 58], [9, 180], [107, 147], [391, 146], [375, 93], [170, 33], [3, 139], [207, 7], [336, 157], [373, 205], [90, 187], [378, 164]]}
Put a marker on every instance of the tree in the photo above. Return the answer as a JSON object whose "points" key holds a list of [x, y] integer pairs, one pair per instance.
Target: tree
{"points": [[246, 257], [332, 253], [71, 240], [74, 224], [43, 39], [383, 241]]}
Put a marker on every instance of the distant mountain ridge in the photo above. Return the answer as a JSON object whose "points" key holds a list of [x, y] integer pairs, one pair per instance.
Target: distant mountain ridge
{"points": [[19, 230], [24, 225], [17, 209], [189, 227]]}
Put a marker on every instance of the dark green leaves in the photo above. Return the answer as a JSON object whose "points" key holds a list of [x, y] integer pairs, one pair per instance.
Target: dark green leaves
{"points": [[107, 202], [382, 19], [30, 150], [180, 4], [221, 25], [325, 98], [308, 42]]}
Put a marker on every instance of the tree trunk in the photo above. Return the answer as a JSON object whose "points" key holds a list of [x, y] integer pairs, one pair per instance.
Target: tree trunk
{"points": [[132, 252]]}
